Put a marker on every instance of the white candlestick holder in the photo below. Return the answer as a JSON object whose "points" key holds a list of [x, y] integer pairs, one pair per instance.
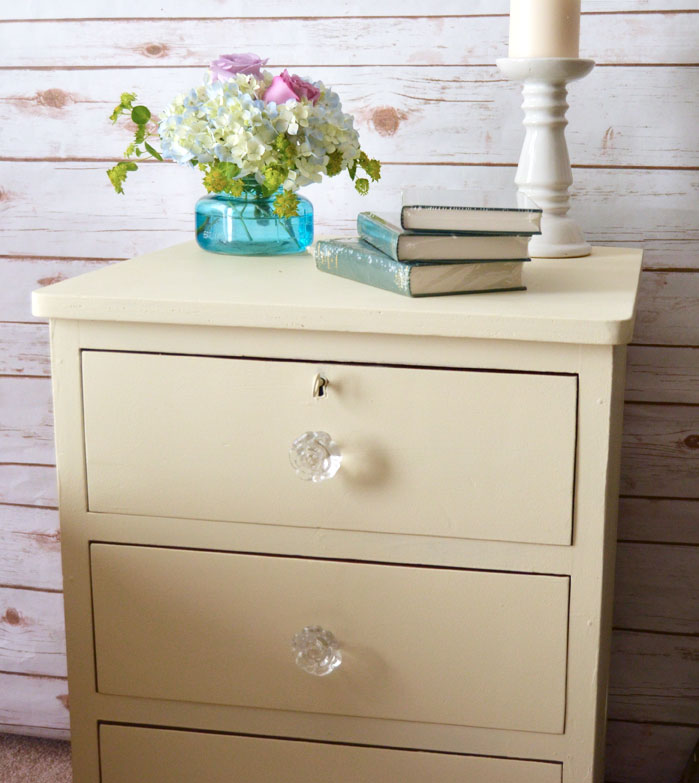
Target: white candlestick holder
{"points": [[544, 173]]}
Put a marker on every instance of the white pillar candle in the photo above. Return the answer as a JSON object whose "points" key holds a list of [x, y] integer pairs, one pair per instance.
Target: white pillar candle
{"points": [[544, 28]]}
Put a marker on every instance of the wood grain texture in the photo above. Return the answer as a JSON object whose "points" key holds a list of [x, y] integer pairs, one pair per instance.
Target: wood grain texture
{"points": [[647, 753], [668, 309], [654, 678], [657, 588], [26, 420], [135, 9], [458, 40], [32, 635], [30, 542], [469, 114], [21, 275], [662, 374], [37, 701], [28, 485], [660, 451], [24, 349], [158, 209], [659, 520]]}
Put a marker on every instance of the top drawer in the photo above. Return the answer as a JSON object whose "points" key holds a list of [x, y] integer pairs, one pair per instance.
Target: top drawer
{"points": [[458, 453]]}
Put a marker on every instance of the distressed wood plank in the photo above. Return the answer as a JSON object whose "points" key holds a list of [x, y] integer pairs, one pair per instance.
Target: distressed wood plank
{"points": [[470, 115], [24, 349], [21, 275], [31, 700], [662, 374], [460, 40], [31, 549], [26, 420], [668, 309], [32, 633], [657, 588], [80, 215], [652, 519], [654, 678], [76, 9], [28, 485], [660, 451], [647, 753]]}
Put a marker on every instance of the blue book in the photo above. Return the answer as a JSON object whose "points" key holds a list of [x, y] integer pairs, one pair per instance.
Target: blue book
{"points": [[358, 260], [476, 212], [385, 233]]}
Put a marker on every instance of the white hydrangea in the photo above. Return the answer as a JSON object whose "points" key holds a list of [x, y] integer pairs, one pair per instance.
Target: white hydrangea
{"points": [[229, 121]]}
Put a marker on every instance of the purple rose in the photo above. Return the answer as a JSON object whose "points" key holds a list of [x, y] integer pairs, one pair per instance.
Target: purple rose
{"points": [[286, 86], [228, 65]]}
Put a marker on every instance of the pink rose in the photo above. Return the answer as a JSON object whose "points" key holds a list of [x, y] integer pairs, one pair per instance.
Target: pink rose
{"points": [[286, 86], [228, 65], [279, 92]]}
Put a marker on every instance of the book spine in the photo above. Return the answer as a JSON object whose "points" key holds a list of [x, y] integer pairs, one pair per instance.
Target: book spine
{"points": [[378, 234], [365, 266]]}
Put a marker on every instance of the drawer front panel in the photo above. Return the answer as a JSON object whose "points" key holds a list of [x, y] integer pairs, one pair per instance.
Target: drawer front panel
{"points": [[437, 452], [131, 754], [420, 644]]}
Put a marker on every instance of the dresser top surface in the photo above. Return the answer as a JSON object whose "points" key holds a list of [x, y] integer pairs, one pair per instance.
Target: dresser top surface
{"points": [[575, 300]]}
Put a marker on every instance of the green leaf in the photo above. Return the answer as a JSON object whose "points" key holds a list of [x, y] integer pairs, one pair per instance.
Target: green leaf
{"points": [[352, 169], [362, 186], [153, 151], [334, 163], [117, 174], [125, 104], [140, 115]]}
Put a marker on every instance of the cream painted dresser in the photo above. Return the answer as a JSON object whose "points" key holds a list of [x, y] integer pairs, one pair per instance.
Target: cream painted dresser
{"points": [[462, 556]]}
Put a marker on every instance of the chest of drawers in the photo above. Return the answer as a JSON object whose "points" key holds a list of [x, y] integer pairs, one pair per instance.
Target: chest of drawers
{"points": [[460, 561]]}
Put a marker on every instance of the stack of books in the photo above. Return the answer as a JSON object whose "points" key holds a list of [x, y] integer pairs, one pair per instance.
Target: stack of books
{"points": [[443, 242]]}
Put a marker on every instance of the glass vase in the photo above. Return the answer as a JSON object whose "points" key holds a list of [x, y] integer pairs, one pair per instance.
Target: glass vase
{"points": [[248, 225]]}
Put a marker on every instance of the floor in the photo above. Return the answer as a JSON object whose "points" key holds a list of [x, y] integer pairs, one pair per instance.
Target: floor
{"points": [[34, 760]]}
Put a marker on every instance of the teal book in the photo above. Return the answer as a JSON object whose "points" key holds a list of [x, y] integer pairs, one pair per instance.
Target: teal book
{"points": [[386, 234], [359, 261], [479, 212]]}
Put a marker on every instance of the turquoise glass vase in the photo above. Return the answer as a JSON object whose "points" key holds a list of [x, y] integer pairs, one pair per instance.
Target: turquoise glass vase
{"points": [[247, 225]]}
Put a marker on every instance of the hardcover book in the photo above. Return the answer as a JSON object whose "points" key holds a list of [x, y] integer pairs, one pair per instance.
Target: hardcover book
{"points": [[385, 233], [486, 212], [357, 260]]}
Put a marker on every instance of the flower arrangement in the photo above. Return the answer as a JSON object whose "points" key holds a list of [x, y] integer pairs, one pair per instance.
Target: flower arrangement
{"points": [[249, 131]]}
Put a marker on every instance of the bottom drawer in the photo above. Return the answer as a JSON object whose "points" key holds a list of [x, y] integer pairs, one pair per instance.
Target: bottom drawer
{"points": [[132, 754]]}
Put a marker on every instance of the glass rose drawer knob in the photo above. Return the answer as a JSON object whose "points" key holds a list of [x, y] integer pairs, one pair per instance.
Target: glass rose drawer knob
{"points": [[316, 650], [315, 456]]}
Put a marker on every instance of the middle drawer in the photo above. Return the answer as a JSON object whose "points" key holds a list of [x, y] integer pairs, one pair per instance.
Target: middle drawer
{"points": [[421, 644]]}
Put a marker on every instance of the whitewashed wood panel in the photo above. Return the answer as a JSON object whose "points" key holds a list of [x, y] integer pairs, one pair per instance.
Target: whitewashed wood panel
{"points": [[657, 588], [30, 543], [32, 633], [647, 753], [654, 677], [30, 700], [649, 117], [76, 9], [69, 209], [28, 485], [664, 254], [660, 451], [662, 317], [452, 40], [657, 519], [20, 275], [26, 420], [662, 374], [24, 350]]}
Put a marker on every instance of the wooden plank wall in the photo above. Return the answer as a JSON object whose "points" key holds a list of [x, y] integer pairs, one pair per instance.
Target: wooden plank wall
{"points": [[430, 103]]}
